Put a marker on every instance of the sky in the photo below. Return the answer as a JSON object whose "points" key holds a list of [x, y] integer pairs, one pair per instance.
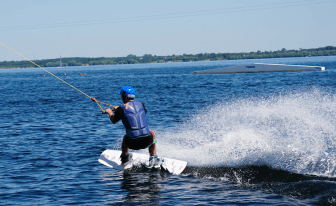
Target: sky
{"points": [[48, 29]]}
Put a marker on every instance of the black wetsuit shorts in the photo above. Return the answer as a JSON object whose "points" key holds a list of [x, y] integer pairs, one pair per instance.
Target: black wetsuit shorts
{"points": [[139, 143]]}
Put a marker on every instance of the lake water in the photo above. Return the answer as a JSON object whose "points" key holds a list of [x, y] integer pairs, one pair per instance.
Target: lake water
{"points": [[249, 138]]}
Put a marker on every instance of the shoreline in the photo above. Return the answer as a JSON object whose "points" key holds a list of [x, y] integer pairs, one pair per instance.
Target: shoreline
{"points": [[149, 58], [161, 62]]}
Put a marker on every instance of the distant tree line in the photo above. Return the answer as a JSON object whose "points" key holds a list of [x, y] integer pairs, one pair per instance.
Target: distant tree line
{"points": [[148, 58]]}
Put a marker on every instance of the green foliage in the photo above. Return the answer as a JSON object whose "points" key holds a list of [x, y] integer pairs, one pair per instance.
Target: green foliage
{"points": [[148, 58]]}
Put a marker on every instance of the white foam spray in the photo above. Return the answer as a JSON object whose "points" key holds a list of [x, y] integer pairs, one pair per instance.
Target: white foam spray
{"points": [[295, 132]]}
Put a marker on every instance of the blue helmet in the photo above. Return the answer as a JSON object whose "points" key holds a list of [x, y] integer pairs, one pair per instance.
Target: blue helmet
{"points": [[127, 91]]}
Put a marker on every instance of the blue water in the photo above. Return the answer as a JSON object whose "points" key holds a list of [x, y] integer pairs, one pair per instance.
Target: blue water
{"points": [[254, 138]]}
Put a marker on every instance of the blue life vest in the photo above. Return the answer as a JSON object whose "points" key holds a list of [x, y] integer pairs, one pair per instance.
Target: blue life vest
{"points": [[135, 120]]}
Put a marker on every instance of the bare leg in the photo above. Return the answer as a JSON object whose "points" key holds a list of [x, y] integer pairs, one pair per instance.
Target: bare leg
{"points": [[152, 148], [124, 149]]}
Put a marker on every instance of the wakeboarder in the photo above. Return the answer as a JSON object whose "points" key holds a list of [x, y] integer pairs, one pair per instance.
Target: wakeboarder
{"points": [[138, 136]]}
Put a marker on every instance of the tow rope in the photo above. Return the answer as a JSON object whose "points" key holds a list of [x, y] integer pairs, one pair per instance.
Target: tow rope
{"points": [[59, 78]]}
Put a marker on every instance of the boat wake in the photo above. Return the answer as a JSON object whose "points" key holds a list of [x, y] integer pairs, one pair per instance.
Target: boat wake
{"points": [[250, 175], [317, 188], [293, 132]]}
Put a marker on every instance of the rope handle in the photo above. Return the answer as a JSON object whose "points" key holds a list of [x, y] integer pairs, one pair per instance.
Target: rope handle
{"points": [[94, 99]]}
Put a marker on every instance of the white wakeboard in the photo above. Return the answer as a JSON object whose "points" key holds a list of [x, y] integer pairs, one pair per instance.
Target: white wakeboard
{"points": [[111, 158]]}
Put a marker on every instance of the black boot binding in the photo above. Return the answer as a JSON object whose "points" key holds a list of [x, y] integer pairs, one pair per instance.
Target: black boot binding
{"points": [[126, 158]]}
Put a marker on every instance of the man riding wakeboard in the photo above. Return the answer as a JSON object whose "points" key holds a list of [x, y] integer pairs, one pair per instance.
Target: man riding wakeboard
{"points": [[138, 136]]}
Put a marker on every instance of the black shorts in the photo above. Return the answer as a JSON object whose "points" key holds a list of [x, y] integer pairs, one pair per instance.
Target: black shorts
{"points": [[139, 143]]}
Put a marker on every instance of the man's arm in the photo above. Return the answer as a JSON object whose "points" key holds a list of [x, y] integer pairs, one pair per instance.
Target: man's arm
{"points": [[111, 115], [118, 114]]}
